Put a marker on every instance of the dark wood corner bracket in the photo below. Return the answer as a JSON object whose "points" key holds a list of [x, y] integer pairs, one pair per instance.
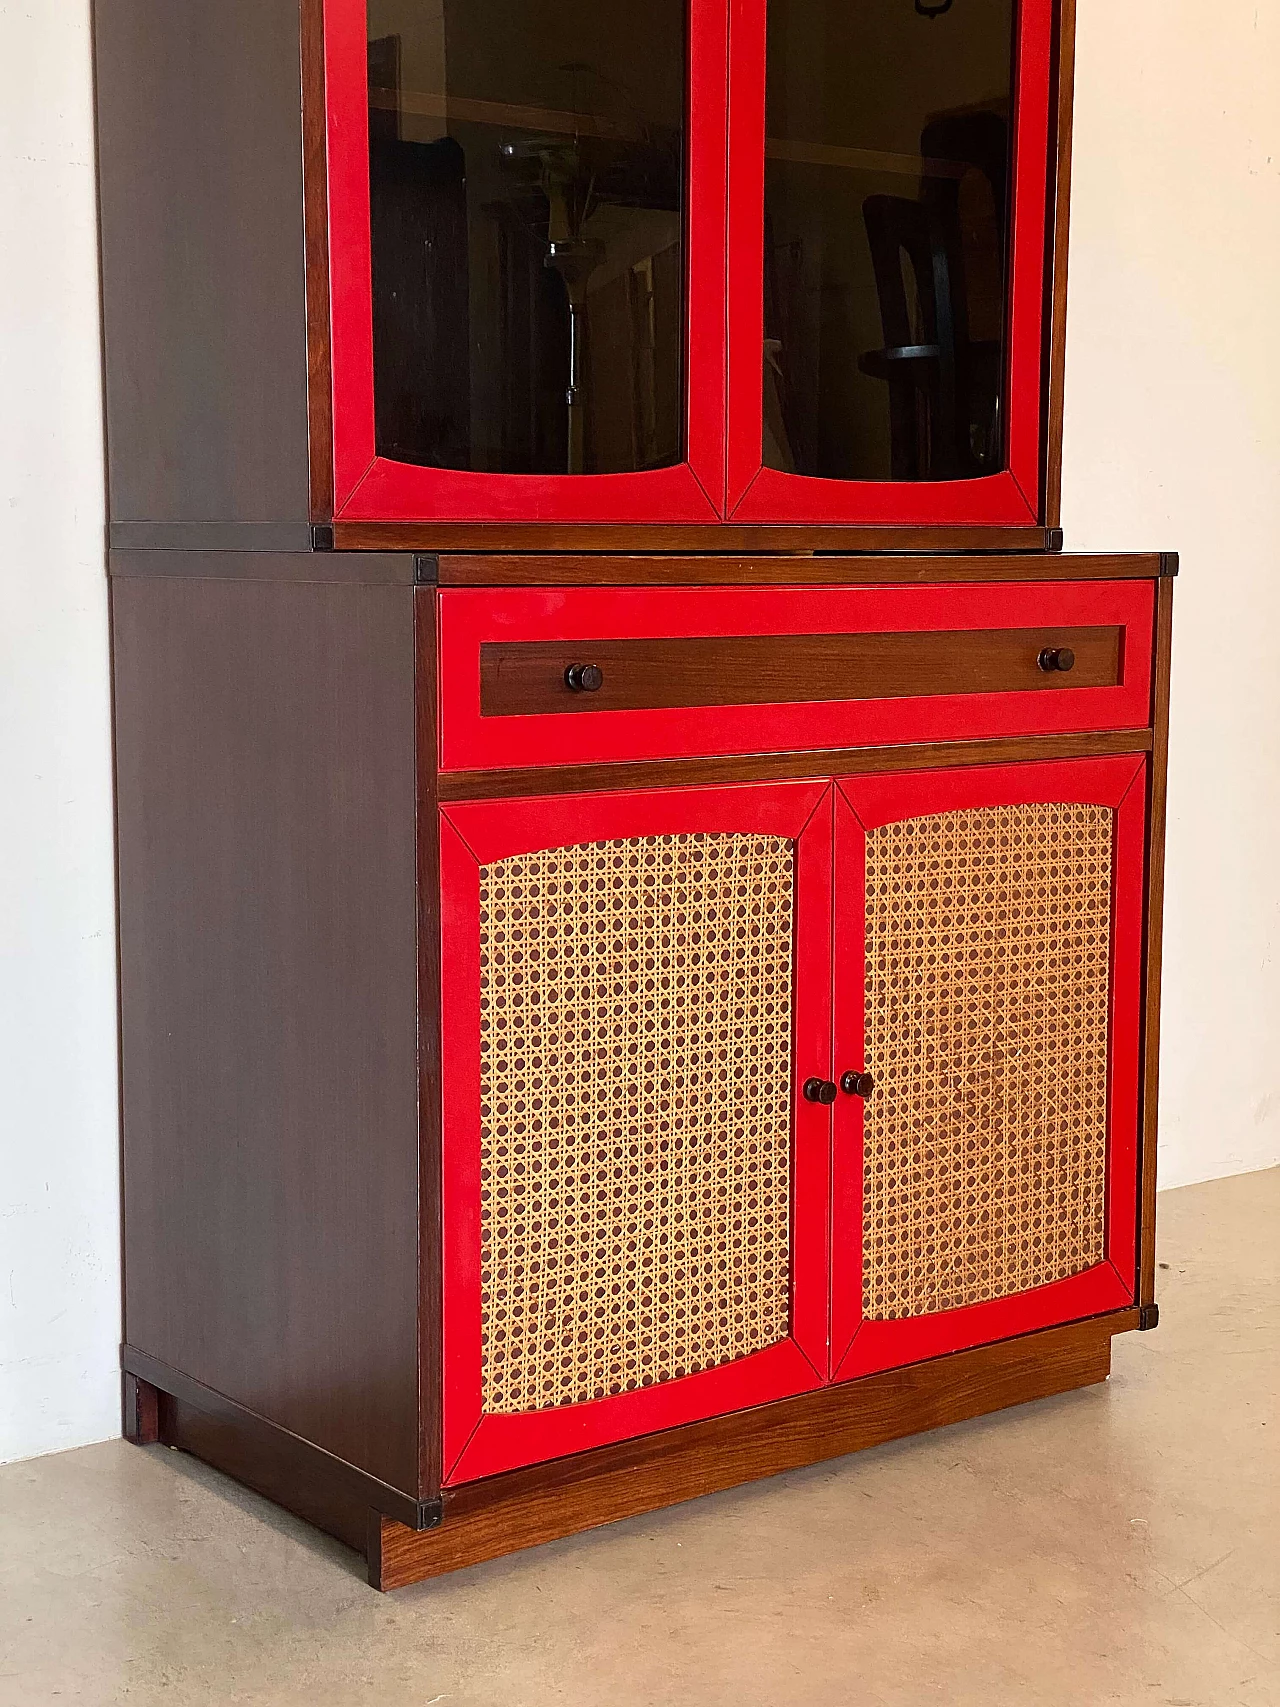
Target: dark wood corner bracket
{"points": [[327, 1491]]}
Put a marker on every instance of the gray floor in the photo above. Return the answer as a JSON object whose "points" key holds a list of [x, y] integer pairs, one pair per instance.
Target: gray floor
{"points": [[1120, 1545]]}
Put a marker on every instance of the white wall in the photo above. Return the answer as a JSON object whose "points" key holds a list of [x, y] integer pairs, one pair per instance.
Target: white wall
{"points": [[1173, 442], [59, 1263]]}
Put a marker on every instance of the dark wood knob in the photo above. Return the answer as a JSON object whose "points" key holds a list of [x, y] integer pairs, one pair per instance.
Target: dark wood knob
{"points": [[584, 678], [819, 1090], [857, 1084], [1057, 658]]}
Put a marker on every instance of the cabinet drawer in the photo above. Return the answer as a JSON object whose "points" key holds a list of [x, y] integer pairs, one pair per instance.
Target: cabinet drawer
{"points": [[584, 675]]}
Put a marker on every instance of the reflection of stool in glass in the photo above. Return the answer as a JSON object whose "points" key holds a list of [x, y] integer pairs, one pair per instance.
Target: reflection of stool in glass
{"points": [[944, 385], [918, 361]]}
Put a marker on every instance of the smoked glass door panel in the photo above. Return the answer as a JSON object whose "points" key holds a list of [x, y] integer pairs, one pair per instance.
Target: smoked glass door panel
{"points": [[886, 237], [527, 169]]}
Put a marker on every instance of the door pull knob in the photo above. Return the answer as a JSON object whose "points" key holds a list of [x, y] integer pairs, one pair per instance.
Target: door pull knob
{"points": [[819, 1090], [584, 678], [1056, 658], [857, 1084]]}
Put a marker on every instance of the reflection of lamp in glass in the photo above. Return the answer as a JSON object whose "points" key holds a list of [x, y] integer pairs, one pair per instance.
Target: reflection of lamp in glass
{"points": [[935, 11], [573, 256]]}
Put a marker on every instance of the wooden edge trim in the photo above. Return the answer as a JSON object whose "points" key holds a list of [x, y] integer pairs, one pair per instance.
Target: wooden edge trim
{"points": [[283, 1461], [158, 538], [315, 215], [783, 767], [430, 1136], [647, 569], [522, 1508], [298, 567], [1056, 256], [662, 537], [141, 1411], [1157, 804]]}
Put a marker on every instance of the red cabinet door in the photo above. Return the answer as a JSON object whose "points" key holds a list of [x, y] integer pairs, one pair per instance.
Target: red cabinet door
{"points": [[887, 197], [635, 1191], [526, 234], [988, 931]]}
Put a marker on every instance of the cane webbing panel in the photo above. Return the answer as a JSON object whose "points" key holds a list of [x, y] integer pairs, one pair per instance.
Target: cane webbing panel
{"points": [[635, 1026], [988, 977]]}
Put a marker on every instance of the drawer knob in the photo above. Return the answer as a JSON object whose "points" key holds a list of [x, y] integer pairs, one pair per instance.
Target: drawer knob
{"points": [[1057, 658], [857, 1084], [584, 678], [819, 1090]]}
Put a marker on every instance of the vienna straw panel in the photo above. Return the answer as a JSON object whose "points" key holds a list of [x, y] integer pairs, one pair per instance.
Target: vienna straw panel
{"points": [[636, 1019], [987, 960]]}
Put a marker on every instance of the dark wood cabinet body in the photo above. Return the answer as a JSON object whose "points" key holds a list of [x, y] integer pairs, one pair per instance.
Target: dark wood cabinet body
{"points": [[278, 785], [337, 678]]}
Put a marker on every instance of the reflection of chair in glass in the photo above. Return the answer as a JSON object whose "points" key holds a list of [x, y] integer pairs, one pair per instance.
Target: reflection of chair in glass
{"points": [[418, 214], [930, 256]]}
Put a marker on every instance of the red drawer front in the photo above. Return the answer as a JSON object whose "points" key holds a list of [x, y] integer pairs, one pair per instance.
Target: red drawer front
{"points": [[678, 672]]}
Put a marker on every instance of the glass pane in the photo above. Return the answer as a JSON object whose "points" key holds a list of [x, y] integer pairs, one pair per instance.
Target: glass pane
{"points": [[526, 166], [887, 161]]}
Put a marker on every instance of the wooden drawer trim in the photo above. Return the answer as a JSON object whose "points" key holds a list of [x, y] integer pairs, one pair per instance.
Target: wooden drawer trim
{"points": [[779, 767], [527, 678], [899, 562]]}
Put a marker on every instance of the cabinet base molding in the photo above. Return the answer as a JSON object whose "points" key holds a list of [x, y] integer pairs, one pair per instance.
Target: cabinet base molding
{"points": [[502, 1514], [714, 538], [313, 1484], [406, 1541]]}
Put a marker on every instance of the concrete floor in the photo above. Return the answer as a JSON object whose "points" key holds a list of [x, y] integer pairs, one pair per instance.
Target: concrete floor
{"points": [[1120, 1545]]}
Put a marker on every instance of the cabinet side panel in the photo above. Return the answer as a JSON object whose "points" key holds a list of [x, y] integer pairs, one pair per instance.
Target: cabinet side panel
{"points": [[203, 268], [265, 759]]}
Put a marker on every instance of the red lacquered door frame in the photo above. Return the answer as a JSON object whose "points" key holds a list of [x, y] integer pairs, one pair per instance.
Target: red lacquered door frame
{"points": [[471, 617], [479, 834], [372, 488], [759, 494], [859, 1347]]}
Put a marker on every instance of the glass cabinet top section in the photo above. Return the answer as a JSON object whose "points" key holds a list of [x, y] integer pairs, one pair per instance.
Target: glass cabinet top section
{"points": [[886, 237], [527, 225]]}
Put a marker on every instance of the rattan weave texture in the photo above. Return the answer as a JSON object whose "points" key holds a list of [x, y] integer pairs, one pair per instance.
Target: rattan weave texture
{"points": [[636, 1021], [988, 981]]}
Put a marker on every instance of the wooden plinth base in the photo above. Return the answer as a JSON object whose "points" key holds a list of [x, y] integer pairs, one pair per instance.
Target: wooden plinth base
{"points": [[502, 1514]]}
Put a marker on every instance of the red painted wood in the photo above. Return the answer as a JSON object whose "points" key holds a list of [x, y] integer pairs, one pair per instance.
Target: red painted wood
{"points": [[371, 488], [864, 804], [350, 285], [758, 494], [469, 617], [477, 834]]}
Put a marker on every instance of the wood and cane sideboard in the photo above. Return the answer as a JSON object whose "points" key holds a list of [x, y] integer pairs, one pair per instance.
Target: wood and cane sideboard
{"points": [[640, 856]]}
